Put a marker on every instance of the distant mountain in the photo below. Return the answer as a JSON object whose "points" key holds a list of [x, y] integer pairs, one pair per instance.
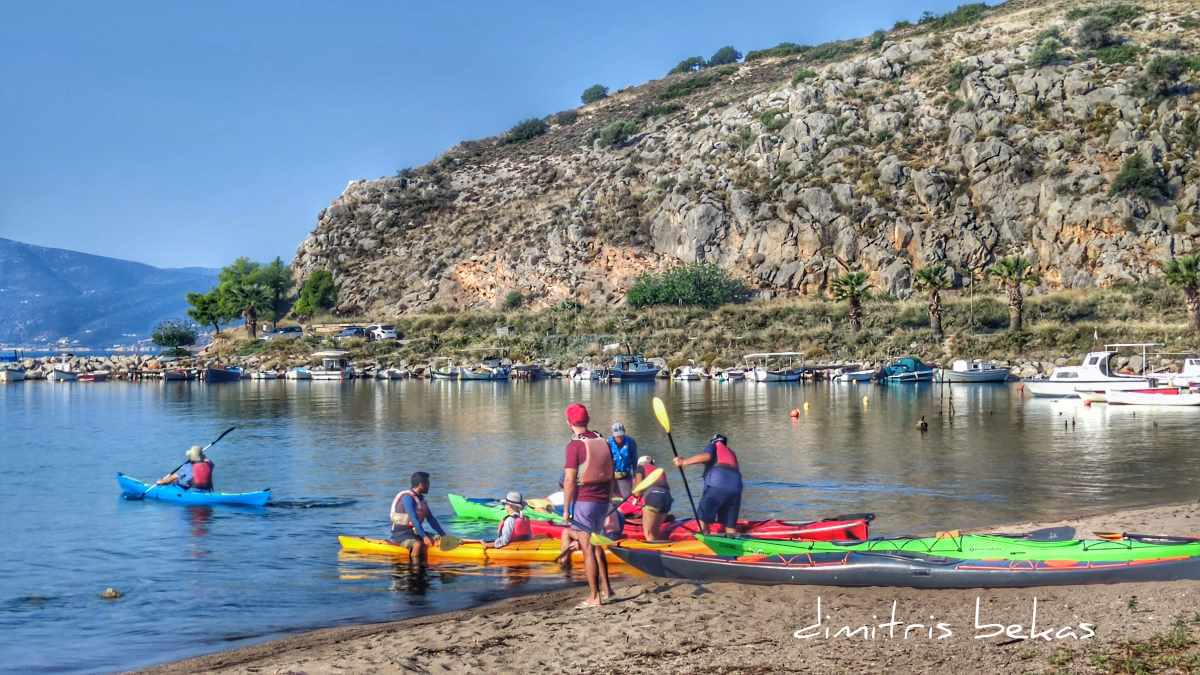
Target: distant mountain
{"points": [[50, 293]]}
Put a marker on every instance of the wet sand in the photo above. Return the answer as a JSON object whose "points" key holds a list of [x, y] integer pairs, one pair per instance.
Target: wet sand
{"points": [[674, 626]]}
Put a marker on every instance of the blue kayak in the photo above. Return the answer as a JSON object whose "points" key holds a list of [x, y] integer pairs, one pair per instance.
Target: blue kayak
{"points": [[132, 488]]}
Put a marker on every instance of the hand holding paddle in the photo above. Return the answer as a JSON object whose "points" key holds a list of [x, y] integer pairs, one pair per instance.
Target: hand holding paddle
{"points": [[176, 469], [660, 411]]}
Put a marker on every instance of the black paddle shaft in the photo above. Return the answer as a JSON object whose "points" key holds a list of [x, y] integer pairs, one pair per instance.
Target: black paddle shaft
{"points": [[686, 487]]}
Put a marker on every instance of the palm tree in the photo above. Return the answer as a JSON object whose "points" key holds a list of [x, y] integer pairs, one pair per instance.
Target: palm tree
{"points": [[1014, 272], [853, 288], [240, 285], [933, 279], [1184, 272]]}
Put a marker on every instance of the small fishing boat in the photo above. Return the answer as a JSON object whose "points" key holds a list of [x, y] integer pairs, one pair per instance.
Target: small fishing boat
{"points": [[1157, 396], [97, 376], [767, 367], [298, 373], [391, 374], [632, 368], [264, 375], [176, 375], [216, 374], [334, 366], [11, 373], [847, 375], [61, 375], [907, 369], [442, 368], [1188, 377], [1095, 373], [688, 373], [730, 375], [972, 372]]}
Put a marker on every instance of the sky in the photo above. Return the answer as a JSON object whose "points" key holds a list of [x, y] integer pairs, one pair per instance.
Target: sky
{"points": [[191, 133]]}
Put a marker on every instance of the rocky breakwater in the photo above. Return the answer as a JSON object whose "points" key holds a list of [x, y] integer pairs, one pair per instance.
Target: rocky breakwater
{"points": [[115, 366], [927, 145]]}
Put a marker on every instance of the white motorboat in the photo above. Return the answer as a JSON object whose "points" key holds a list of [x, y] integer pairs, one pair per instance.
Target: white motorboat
{"points": [[12, 374], [391, 374], [767, 368], [1157, 396], [264, 375], [298, 373], [334, 366], [1095, 373], [584, 373], [631, 368], [963, 371], [730, 375], [688, 373], [846, 375], [442, 368], [61, 375], [1188, 377]]}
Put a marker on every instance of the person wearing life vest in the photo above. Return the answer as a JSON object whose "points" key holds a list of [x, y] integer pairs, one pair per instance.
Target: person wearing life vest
{"points": [[722, 498], [656, 499], [587, 489], [624, 454], [409, 515], [197, 474], [514, 526]]}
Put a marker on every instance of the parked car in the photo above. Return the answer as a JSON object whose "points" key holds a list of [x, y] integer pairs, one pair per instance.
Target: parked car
{"points": [[381, 331], [350, 332], [285, 333]]}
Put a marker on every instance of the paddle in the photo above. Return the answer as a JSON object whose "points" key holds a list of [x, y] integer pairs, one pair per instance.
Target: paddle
{"points": [[1149, 538], [660, 411], [646, 483], [223, 435]]}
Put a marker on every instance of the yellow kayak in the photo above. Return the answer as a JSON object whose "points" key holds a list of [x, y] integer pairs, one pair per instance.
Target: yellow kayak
{"points": [[534, 550]]}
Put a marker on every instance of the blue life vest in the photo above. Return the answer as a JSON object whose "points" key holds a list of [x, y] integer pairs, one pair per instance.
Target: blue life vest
{"points": [[623, 459]]}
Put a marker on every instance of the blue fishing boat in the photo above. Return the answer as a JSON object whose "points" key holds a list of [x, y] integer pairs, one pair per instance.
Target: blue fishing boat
{"points": [[632, 368], [907, 369], [223, 374]]}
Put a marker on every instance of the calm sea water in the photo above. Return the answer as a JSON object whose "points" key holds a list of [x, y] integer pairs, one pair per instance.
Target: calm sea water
{"points": [[201, 580]]}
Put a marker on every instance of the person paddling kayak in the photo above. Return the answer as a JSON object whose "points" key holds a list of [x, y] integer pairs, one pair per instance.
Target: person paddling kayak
{"points": [[409, 514], [624, 454], [514, 526], [587, 488], [197, 474], [656, 500], [722, 498]]}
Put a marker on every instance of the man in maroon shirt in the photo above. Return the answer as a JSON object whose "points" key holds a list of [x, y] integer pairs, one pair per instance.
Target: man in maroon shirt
{"points": [[587, 490]]}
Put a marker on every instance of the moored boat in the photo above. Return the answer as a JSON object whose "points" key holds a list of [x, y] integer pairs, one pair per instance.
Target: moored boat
{"points": [[61, 375], [298, 373], [962, 371], [215, 374], [12, 374], [768, 367], [847, 375], [1158, 396], [688, 373], [907, 369], [730, 375], [631, 368], [334, 366], [264, 375], [176, 375], [95, 376], [1095, 373]]}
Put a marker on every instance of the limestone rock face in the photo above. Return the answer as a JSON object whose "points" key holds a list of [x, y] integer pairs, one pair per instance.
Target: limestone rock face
{"points": [[935, 146]]}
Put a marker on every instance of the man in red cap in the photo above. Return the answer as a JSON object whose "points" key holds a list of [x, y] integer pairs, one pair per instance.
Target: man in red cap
{"points": [[587, 490]]}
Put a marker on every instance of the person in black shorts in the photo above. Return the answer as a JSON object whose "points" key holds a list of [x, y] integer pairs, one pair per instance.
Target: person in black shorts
{"points": [[656, 500]]}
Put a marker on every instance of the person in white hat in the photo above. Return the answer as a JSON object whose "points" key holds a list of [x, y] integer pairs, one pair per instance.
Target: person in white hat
{"points": [[514, 526], [197, 474]]}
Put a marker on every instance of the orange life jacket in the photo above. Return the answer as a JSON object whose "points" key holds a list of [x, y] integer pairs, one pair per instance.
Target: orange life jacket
{"points": [[597, 466], [400, 516]]}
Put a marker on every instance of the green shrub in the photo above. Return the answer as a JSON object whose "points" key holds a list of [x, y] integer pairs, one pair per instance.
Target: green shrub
{"points": [[698, 284], [596, 92], [802, 75], [691, 85], [1161, 77], [877, 39], [1113, 54], [958, 71], [659, 110], [513, 300], [1116, 13], [566, 118], [962, 16], [1046, 53], [1095, 33], [831, 51], [173, 335], [902, 24], [723, 57], [1139, 178], [779, 50], [616, 133], [689, 65], [526, 130], [774, 120]]}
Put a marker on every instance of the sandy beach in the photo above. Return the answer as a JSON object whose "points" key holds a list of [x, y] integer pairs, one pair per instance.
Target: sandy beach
{"points": [[673, 626]]}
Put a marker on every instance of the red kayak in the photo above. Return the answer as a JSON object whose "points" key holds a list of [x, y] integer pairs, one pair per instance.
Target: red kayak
{"points": [[852, 527]]}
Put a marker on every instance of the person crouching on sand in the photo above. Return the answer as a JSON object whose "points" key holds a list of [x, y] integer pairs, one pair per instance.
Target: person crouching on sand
{"points": [[656, 499]]}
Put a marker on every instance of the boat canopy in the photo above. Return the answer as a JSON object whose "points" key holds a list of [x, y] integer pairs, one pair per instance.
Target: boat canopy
{"points": [[771, 355], [330, 354]]}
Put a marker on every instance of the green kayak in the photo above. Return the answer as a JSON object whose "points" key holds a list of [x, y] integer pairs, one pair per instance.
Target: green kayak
{"points": [[980, 547], [490, 509]]}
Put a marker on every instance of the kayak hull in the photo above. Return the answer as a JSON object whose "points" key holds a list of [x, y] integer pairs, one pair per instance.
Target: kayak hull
{"points": [[490, 509], [132, 488], [912, 570], [540, 550], [839, 528]]}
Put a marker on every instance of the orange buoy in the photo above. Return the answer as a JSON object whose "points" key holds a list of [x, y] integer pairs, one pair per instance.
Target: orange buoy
{"points": [[795, 413]]}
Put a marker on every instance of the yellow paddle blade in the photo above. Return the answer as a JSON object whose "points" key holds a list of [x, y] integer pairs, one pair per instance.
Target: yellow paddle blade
{"points": [[538, 503], [600, 540], [449, 542], [660, 411], [648, 482]]}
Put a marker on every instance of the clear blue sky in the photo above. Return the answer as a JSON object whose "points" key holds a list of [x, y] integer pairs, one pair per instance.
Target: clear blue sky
{"points": [[189, 133]]}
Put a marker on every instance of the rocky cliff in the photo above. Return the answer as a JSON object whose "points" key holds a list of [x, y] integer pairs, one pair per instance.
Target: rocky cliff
{"points": [[952, 140]]}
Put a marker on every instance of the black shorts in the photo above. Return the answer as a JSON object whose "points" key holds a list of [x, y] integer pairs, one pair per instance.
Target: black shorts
{"points": [[658, 499], [718, 505]]}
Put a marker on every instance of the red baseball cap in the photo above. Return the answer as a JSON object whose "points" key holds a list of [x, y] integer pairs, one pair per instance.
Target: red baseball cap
{"points": [[577, 415]]}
